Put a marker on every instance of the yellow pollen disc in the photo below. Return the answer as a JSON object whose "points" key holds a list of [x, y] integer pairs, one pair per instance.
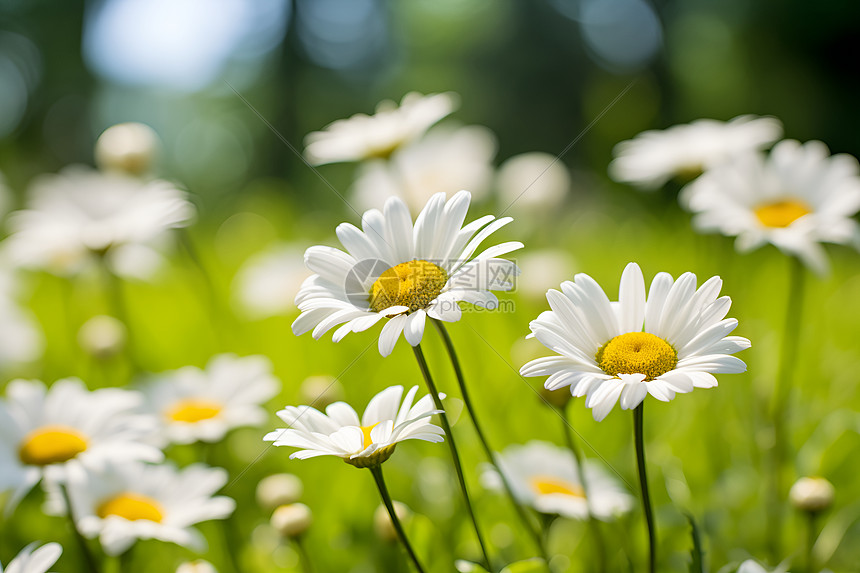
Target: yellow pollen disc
{"points": [[637, 353], [544, 485], [782, 213], [414, 284], [131, 506], [51, 445], [193, 410], [365, 430]]}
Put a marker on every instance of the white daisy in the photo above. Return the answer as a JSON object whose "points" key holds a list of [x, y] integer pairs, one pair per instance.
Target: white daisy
{"points": [[202, 405], [545, 477], [406, 273], [653, 157], [268, 282], [445, 160], [32, 560], [796, 198], [389, 418], [533, 182], [45, 433], [121, 503], [80, 214], [367, 136], [673, 342]]}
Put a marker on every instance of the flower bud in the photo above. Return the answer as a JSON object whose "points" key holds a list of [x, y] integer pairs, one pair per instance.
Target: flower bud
{"points": [[102, 336], [278, 489], [291, 520], [382, 524], [320, 391], [812, 494], [197, 566], [127, 147]]}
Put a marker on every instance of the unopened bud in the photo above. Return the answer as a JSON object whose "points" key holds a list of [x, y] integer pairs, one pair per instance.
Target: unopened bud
{"points": [[320, 391], [127, 147], [278, 489], [102, 336], [382, 524], [812, 494], [292, 520], [197, 566]]}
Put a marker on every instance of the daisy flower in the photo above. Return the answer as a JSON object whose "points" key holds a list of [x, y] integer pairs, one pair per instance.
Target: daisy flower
{"points": [[395, 270], [203, 405], [378, 136], [81, 214], [796, 198], [45, 433], [653, 157], [545, 477], [121, 503], [389, 419], [32, 560], [674, 341], [445, 160]]}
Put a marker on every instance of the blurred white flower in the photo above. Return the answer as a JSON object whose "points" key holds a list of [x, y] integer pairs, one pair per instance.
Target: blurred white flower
{"points": [[653, 157], [268, 282], [32, 560], [49, 433], [446, 160], [545, 477], [622, 351], [291, 520], [127, 148], [389, 418], [532, 181], [796, 198], [394, 269], [203, 405], [21, 340], [80, 214], [121, 503], [812, 494], [541, 268], [751, 566], [102, 336], [320, 391], [196, 566], [278, 489], [378, 136]]}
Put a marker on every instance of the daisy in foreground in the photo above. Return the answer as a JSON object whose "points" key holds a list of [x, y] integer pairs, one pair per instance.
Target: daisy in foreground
{"points": [[796, 198], [403, 272], [545, 477], [653, 157], [622, 351], [203, 405], [390, 418], [48, 433], [121, 503], [378, 136], [32, 560]]}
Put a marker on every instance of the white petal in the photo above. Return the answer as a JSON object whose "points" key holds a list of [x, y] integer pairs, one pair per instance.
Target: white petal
{"points": [[414, 329], [390, 333]]}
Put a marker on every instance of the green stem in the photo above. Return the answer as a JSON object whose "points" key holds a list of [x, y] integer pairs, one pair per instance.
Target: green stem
{"points": [[638, 415], [304, 556], [116, 301], [600, 545], [395, 521], [780, 414], [810, 541], [452, 446], [90, 560], [520, 510]]}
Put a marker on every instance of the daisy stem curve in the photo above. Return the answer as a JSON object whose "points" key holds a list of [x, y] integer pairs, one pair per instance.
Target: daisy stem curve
{"points": [[638, 436], [90, 560], [520, 510], [304, 556], [811, 524], [570, 441], [395, 521], [452, 446]]}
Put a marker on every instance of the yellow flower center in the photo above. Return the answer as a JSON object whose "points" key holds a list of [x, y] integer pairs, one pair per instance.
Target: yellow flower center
{"points": [[193, 410], [365, 430], [131, 506], [782, 213], [51, 445], [544, 485], [637, 353], [414, 284]]}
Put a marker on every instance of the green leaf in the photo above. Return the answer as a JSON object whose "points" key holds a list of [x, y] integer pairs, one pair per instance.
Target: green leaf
{"points": [[532, 565], [697, 564]]}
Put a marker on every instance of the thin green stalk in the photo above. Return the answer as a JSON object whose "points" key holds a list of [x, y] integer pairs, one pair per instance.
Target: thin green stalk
{"points": [[90, 560], [452, 446], [638, 423], [520, 510], [780, 413], [119, 309], [304, 556], [599, 543], [811, 534], [395, 521]]}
